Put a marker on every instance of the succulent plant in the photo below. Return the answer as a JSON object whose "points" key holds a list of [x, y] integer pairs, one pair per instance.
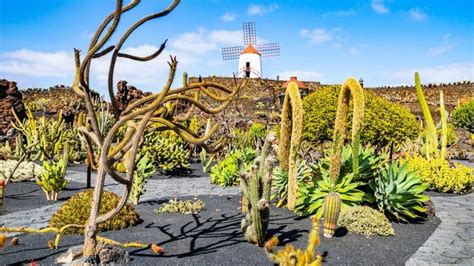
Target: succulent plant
{"points": [[144, 168], [181, 206], [365, 220], [398, 192], [280, 181]]}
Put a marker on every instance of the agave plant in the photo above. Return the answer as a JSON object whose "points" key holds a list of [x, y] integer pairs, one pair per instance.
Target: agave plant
{"points": [[311, 197], [369, 163], [398, 192], [280, 181]]}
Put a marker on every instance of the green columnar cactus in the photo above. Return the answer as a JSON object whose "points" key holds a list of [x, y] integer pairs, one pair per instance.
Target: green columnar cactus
{"points": [[350, 87], [431, 137], [2, 186], [256, 186], [291, 133], [332, 207], [444, 125]]}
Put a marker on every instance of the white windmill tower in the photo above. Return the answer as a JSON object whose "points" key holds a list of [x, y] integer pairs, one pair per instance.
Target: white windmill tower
{"points": [[250, 63]]}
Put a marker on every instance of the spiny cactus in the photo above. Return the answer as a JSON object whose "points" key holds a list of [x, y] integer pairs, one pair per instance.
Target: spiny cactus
{"points": [[291, 133], [431, 143], [289, 256], [256, 186], [350, 87], [2, 187], [332, 207]]}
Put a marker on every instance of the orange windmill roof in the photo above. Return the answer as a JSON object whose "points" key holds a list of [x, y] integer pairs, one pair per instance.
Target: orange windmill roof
{"points": [[301, 85], [250, 50]]}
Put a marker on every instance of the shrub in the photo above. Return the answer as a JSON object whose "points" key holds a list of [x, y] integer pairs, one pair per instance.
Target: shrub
{"points": [[226, 172], [143, 169], [464, 116], [180, 206], [52, 178], [439, 176], [398, 192], [77, 209], [384, 122], [365, 220]]}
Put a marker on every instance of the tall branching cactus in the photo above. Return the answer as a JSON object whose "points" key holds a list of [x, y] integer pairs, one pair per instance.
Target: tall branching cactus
{"points": [[256, 185], [333, 201], [431, 143], [291, 133], [431, 140], [137, 117]]}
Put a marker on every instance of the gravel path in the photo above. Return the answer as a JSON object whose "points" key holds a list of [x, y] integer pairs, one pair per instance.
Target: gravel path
{"points": [[453, 241], [161, 188]]}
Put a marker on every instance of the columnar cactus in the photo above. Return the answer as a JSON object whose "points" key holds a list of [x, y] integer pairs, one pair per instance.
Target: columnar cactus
{"points": [[256, 186], [350, 87], [444, 125], [291, 133], [332, 207], [431, 143], [2, 187]]}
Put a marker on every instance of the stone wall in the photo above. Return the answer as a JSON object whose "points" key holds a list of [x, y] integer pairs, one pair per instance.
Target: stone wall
{"points": [[10, 98]]}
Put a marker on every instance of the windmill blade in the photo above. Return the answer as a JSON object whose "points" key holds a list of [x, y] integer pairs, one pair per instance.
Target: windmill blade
{"points": [[250, 33], [230, 53], [269, 49]]}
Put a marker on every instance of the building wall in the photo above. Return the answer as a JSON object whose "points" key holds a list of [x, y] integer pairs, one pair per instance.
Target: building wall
{"points": [[255, 65]]}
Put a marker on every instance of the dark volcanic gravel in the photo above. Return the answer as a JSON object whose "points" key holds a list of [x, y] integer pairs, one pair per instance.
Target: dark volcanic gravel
{"points": [[28, 195], [214, 238]]}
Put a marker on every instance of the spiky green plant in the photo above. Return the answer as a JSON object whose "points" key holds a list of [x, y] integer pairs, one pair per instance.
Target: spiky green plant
{"points": [[52, 178], [312, 194], [291, 133], [398, 192], [280, 181], [256, 185]]}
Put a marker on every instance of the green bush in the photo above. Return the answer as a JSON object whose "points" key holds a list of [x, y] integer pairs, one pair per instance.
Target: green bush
{"points": [[365, 220], [226, 172], [463, 116], [384, 122], [181, 206], [77, 209]]}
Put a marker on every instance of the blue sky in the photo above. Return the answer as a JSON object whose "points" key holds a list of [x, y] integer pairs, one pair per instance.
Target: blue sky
{"points": [[383, 42]]}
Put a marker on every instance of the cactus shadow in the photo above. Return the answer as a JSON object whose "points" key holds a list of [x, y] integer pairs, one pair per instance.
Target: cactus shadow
{"points": [[202, 236]]}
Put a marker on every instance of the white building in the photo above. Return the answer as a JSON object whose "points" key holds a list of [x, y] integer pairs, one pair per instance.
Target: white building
{"points": [[250, 63]]}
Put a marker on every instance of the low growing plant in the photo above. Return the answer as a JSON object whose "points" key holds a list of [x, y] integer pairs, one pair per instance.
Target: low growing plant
{"points": [[366, 221], [25, 171], [182, 206], [440, 176], [398, 192], [76, 210]]}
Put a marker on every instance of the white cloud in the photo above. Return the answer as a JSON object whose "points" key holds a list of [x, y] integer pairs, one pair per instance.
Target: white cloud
{"points": [[442, 49], [226, 37], [301, 74], [379, 7], [228, 17], [417, 14], [437, 74], [254, 9], [316, 35]]}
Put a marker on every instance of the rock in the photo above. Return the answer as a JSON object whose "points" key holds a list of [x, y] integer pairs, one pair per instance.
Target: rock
{"points": [[70, 255], [10, 97], [111, 254], [106, 254], [430, 208], [127, 94]]}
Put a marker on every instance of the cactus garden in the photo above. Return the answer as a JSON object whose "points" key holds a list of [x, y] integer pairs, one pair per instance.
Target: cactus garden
{"points": [[146, 157]]}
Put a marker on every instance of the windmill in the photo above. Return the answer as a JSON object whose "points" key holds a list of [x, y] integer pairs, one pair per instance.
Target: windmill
{"points": [[250, 63]]}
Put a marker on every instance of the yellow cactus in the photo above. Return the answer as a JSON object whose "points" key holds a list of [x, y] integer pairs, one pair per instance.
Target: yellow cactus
{"points": [[289, 256]]}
